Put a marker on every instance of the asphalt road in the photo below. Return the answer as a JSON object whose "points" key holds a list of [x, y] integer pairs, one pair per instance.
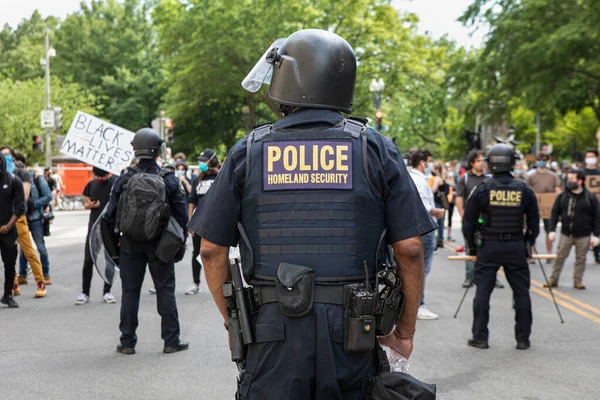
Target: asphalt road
{"points": [[52, 349]]}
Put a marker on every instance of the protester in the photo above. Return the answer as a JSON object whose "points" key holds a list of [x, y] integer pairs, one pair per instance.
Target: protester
{"points": [[592, 169], [451, 182], [95, 198], [18, 169], [181, 170], [208, 166], [577, 209], [440, 189], [42, 196], [544, 181], [417, 173], [12, 206]]}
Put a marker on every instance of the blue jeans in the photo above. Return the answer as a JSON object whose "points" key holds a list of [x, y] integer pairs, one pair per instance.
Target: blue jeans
{"points": [[429, 245], [37, 231], [440, 223], [469, 265]]}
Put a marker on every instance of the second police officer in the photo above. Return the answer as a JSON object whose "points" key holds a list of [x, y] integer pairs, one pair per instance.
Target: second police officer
{"points": [[493, 226], [312, 196], [140, 237]]}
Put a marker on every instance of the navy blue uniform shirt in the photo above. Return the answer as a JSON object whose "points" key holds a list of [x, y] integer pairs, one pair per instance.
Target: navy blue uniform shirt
{"points": [[479, 202], [175, 197], [216, 220]]}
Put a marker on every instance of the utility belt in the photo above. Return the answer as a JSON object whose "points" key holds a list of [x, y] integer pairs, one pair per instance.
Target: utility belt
{"points": [[368, 312]]}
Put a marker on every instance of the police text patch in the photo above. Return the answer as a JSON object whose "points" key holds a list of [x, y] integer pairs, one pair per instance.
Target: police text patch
{"points": [[294, 165], [505, 198]]}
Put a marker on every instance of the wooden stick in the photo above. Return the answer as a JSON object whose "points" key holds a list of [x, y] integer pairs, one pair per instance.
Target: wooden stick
{"points": [[473, 258]]}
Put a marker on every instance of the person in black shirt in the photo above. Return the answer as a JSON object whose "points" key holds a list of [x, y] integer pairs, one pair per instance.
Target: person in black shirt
{"points": [[95, 197], [208, 167], [579, 213], [12, 206]]}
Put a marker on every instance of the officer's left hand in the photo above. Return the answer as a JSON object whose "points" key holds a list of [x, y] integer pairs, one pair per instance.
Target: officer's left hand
{"points": [[402, 346], [595, 241]]}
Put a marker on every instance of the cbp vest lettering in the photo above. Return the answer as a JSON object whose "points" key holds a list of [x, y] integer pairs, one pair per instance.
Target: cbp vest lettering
{"points": [[505, 214], [308, 201]]}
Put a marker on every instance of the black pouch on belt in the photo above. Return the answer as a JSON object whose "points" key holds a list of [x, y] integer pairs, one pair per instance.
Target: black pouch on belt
{"points": [[295, 289], [359, 321]]}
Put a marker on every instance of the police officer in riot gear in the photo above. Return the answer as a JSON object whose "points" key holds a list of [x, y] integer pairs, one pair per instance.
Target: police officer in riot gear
{"points": [[313, 200], [136, 254], [493, 226]]}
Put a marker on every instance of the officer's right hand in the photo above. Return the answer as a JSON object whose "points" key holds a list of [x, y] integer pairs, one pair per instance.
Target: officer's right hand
{"points": [[552, 236], [402, 346]]}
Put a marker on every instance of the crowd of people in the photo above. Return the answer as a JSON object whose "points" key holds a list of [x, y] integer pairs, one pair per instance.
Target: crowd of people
{"points": [[31, 195], [446, 185]]}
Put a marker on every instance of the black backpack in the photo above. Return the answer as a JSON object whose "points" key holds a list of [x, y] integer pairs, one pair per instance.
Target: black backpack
{"points": [[143, 209]]}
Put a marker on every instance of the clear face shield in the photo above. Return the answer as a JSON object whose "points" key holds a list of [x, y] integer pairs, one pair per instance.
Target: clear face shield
{"points": [[263, 70]]}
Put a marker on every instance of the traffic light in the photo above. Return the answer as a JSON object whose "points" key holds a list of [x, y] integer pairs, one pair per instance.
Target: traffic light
{"points": [[169, 130], [58, 118], [37, 143], [378, 118]]}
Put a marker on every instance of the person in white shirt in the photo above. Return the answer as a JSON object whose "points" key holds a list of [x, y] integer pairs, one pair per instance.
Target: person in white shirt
{"points": [[419, 164]]}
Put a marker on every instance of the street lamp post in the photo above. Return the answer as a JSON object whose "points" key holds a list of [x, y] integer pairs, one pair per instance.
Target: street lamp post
{"points": [[376, 88], [49, 52]]}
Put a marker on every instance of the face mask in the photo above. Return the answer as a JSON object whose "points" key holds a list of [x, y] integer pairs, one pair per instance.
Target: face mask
{"points": [[541, 164], [10, 163], [572, 185], [518, 172], [203, 166], [179, 172], [590, 161]]}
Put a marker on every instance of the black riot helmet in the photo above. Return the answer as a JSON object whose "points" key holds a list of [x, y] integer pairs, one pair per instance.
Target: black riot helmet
{"points": [[311, 68], [500, 158], [147, 143]]}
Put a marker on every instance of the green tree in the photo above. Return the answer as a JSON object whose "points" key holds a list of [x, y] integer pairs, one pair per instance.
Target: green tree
{"points": [[20, 106], [22, 48], [109, 47], [542, 51]]}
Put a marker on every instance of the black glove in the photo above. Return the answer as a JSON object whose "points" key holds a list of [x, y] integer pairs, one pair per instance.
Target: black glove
{"points": [[180, 254]]}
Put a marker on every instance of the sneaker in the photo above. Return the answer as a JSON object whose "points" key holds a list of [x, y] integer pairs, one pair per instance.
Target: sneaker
{"points": [[108, 298], [41, 290], [125, 350], [82, 299], [468, 283], [22, 280], [152, 290], [194, 290], [9, 301], [578, 285], [425, 314], [48, 280], [16, 290]]}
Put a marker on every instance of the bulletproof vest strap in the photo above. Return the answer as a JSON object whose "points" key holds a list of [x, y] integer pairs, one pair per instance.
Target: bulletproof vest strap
{"points": [[248, 245], [257, 134]]}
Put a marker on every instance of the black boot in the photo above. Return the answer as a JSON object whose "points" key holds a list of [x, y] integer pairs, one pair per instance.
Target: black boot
{"points": [[9, 301], [181, 345], [480, 344]]}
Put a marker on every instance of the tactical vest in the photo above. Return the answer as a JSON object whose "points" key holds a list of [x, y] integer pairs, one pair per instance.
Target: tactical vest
{"points": [[504, 219], [308, 200]]}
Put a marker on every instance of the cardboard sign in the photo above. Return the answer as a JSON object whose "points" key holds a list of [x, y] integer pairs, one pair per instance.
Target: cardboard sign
{"points": [[592, 182], [99, 143], [545, 203]]}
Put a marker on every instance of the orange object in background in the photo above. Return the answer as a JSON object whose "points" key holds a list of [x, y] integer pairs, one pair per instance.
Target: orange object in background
{"points": [[74, 176]]}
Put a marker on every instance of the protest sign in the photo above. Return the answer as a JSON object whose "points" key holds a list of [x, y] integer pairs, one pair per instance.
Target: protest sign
{"points": [[592, 182], [99, 143], [545, 203]]}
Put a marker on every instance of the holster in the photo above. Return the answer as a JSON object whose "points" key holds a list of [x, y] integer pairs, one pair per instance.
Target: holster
{"points": [[359, 319]]}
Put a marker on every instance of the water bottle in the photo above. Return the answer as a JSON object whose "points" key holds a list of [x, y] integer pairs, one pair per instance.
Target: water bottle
{"points": [[398, 363]]}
